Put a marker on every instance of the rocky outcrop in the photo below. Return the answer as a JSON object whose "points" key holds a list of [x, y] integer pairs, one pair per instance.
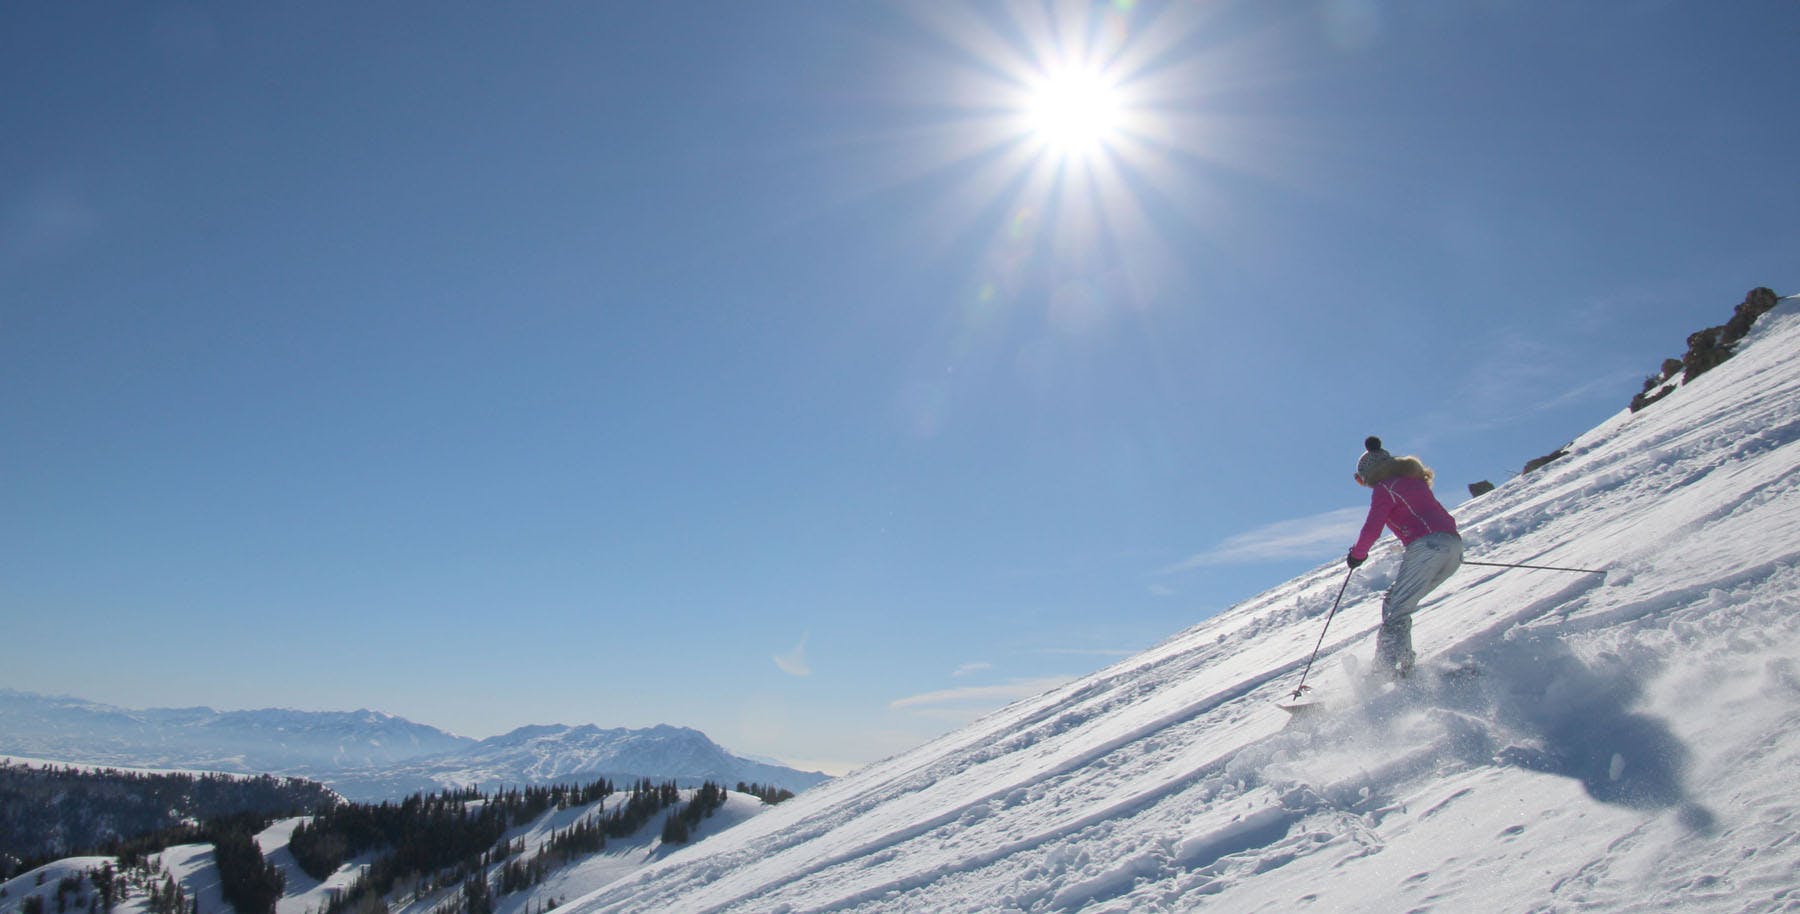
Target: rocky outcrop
{"points": [[1707, 348], [1537, 463]]}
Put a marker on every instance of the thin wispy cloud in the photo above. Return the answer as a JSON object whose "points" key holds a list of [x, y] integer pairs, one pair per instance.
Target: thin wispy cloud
{"points": [[970, 669], [1521, 376], [794, 662], [1318, 536], [965, 704]]}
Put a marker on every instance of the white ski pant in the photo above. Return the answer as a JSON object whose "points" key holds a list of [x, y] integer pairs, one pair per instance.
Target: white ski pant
{"points": [[1430, 560]]}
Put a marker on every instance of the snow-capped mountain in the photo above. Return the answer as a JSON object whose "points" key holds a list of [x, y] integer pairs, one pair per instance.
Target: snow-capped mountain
{"points": [[273, 740], [1628, 742], [546, 754], [367, 755]]}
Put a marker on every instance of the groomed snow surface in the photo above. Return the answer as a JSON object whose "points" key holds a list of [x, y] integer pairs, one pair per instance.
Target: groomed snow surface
{"points": [[1632, 742]]}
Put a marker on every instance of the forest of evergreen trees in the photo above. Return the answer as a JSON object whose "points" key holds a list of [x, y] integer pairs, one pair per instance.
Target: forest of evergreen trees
{"points": [[427, 843], [768, 794], [251, 884], [49, 813], [456, 840], [679, 827]]}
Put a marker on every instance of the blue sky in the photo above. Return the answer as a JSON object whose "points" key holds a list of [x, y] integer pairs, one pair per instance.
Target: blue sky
{"points": [[766, 368]]}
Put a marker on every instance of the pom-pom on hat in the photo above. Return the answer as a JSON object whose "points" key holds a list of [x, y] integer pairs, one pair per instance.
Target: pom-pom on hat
{"points": [[1373, 459]]}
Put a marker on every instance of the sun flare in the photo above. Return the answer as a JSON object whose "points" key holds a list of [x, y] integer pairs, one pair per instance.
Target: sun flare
{"points": [[1076, 134], [1075, 111]]}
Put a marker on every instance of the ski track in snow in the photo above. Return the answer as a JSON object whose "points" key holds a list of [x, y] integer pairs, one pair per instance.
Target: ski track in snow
{"points": [[1627, 746]]}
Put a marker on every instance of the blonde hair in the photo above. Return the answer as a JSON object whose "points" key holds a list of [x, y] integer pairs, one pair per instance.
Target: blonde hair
{"points": [[1400, 466]]}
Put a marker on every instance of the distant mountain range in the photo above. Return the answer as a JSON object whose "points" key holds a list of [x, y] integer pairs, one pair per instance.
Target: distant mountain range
{"points": [[561, 754], [366, 755]]}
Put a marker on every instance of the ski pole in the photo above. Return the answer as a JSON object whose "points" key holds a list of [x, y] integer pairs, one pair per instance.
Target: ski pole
{"points": [[1301, 688], [1535, 567]]}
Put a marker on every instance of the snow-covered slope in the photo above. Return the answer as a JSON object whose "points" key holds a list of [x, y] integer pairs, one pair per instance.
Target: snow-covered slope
{"points": [[190, 866], [1631, 745]]}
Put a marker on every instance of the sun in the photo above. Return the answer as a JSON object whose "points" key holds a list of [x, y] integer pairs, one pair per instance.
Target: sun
{"points": [[1074, 111], [1079, 137]]}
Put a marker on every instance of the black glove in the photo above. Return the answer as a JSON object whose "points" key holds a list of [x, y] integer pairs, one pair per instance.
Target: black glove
{"points": [[1353, 561]]}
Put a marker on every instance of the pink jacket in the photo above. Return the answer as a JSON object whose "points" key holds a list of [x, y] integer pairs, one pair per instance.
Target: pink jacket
{"points": [[1407, 507]]}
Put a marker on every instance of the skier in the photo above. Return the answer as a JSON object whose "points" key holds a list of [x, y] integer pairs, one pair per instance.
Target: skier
{"points": [[1402, 501]]}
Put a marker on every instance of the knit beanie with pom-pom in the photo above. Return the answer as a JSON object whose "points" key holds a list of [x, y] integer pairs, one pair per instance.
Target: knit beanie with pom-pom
{"points": [[1373, 461]]}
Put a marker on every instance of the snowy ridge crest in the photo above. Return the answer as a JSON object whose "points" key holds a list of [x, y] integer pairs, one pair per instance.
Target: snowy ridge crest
{"points": [[1625, 746]]}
